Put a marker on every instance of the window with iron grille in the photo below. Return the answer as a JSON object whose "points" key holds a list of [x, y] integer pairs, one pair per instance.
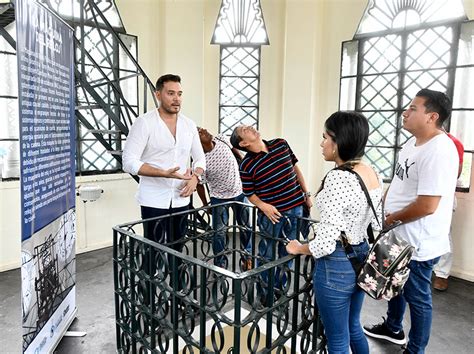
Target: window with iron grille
{"points": [[392, 56], [240, 31], [239, 84]]}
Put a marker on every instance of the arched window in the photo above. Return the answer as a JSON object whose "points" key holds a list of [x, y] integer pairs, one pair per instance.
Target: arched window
{"points": [[240, 32], [400, 47]]}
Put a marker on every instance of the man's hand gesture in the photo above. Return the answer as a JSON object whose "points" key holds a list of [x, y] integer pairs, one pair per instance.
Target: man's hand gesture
{"points": [[173, 173], [189, 186]]}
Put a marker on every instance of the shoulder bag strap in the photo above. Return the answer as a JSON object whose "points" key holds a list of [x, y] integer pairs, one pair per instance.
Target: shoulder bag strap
{"points": [[356, 265], [370, 231], [366, 192]]}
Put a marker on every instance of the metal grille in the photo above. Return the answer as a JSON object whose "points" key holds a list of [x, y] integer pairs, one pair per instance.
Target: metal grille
{"points": [[239, 87], [100, 67], [399, 48], [9, 131], [169, 301], [382, 54], [389, 70]]}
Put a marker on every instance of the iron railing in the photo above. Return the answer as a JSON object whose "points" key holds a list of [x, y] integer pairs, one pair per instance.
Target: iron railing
{"points": [[170, 297]]}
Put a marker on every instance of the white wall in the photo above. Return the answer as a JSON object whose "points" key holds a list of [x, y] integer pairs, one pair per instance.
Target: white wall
{"points": [[10, 233], [299, 89], [94, 219], [115, 206], [463, 220]]}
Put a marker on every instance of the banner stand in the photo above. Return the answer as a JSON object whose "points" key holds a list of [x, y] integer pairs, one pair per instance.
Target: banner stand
{"points": [[74, 334], [46, 99], [63, 334]]}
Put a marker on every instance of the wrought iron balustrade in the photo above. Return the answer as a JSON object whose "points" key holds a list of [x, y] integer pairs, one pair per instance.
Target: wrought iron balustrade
{"points": [[170, 297]]}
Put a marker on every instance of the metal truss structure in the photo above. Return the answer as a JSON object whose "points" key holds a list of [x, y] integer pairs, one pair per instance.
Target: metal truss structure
{"points": [[108, 79]]}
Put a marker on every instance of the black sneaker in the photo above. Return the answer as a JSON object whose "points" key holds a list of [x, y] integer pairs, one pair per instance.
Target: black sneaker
{"points": [[381, 331]]}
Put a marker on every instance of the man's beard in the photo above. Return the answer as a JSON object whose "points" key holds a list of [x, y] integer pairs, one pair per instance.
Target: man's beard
{"points": [[170, 109]]}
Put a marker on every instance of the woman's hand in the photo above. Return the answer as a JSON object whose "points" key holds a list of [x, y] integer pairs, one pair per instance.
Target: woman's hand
{"points": [[294, 247]]}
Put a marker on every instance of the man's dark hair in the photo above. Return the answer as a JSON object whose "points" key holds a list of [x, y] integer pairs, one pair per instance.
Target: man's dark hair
{"points": [[436, 101], [350, 131], [165, 78], [235, 140]]}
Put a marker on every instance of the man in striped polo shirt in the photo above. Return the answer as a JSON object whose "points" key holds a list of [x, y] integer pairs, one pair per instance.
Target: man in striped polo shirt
{"points": [[273, 182]]}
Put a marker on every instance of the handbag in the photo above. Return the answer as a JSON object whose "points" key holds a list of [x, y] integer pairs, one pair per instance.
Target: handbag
{"points": [[385, 270]]}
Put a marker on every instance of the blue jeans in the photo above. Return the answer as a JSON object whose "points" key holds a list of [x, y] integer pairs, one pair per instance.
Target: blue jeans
{"points": [[339, 300], [417, 293], [285, 228], [220, 221]]}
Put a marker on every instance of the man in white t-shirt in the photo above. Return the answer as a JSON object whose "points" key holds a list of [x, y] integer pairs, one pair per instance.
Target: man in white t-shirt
{"points": [[421, 196], [223, 180]]}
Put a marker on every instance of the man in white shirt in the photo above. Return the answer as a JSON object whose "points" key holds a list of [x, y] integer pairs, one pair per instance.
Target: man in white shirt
{"points": [[421, 196], [158, 149]]}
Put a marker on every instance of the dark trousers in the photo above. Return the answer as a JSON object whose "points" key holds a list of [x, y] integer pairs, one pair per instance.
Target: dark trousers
{"points": [[168, 231]]}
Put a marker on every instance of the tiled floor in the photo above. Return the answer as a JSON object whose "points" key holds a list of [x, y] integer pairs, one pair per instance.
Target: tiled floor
{"points": [[452, 331]]}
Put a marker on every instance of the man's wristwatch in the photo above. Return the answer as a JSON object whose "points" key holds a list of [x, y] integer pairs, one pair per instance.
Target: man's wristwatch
{"points": [[199, 176], [307, 194]]}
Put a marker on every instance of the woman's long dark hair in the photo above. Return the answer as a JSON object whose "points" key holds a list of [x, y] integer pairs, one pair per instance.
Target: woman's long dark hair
{"points": [[350, 131]]}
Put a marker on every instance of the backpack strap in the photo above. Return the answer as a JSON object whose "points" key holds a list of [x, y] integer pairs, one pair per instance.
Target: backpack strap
{"points": [[365, 190], [370, 232], [356, 265]]}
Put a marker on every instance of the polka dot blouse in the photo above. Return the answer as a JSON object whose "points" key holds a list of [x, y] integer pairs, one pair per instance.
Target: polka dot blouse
{"points": [[343, 207]]}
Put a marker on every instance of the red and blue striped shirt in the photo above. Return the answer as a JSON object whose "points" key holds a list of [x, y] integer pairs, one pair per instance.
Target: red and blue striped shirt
{"points": [[271, 176]]}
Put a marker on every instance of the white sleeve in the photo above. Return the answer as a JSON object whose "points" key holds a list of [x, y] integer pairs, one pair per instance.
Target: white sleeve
{"points": [[336, 194], [197, 153], [134, 146]]}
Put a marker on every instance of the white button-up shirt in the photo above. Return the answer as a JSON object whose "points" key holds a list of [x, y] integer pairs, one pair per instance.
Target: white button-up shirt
{"points": [[150, 141]]}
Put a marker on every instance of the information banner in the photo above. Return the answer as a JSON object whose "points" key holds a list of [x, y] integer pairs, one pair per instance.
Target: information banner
{"points": [[47, 162]]}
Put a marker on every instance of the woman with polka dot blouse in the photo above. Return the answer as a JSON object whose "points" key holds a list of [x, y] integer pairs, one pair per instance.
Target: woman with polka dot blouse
{"points": [[343, 207]]}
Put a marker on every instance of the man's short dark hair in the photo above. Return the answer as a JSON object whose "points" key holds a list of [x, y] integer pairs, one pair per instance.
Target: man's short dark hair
{"points": [[165, 78], [436, 101], [350, 131], [235, 140]]}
